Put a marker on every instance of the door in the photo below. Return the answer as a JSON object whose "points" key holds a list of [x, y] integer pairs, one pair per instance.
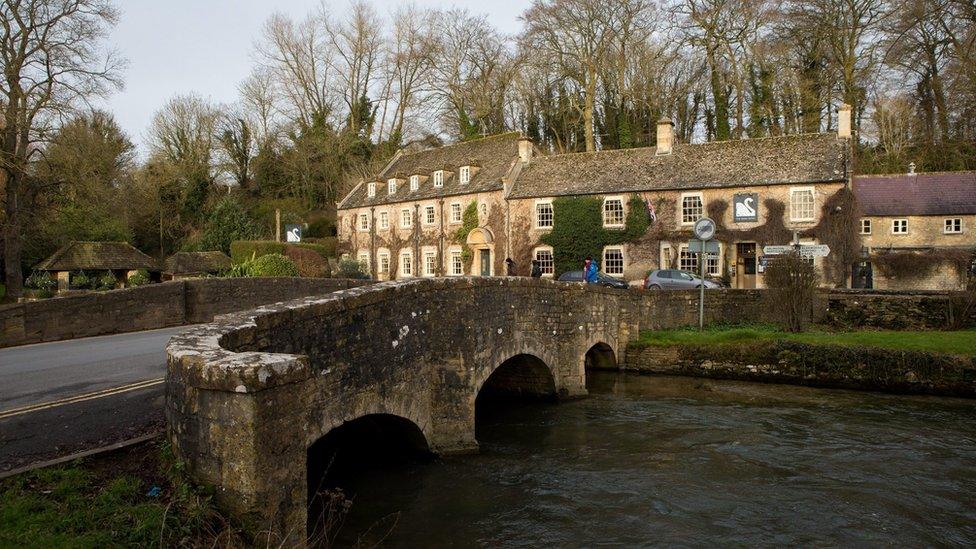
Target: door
{"points": [[862, 276], [485, 262], [745, 271]]}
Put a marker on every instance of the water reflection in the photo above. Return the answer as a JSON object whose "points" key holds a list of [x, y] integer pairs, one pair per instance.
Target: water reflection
{"points": [[657, 460]]}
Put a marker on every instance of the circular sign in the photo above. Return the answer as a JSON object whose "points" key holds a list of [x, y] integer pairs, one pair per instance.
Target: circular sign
{"points": [[705, 228]]}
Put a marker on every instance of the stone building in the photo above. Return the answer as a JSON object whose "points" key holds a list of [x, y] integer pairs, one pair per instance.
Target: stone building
{"points": [[918, 230], [119, 258]]}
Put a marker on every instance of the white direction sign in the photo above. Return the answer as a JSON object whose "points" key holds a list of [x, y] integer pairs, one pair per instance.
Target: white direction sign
{"points": [[776, 250], [808, 250]]}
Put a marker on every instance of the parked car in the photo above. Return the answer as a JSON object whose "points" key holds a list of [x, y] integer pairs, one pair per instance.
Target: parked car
{"points": [[673, 279], [601, 279]]}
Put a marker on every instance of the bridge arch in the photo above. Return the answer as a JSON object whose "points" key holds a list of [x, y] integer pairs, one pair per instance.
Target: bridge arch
{"points": [[600, 356]]}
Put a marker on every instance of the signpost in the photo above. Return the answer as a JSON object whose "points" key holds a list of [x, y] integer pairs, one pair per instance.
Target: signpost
{"points": [[705, 231], [293, 233], [806, 250]]}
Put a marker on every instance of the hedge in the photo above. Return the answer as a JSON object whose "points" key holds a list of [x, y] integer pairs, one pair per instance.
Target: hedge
{"points": [[244, 250]]}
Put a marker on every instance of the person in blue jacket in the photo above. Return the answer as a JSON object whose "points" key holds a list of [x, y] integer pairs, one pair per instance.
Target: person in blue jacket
{"points": [[590, 270]]}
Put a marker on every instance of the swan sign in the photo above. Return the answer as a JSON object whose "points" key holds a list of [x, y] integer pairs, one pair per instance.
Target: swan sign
{"points": [[745, 207]]}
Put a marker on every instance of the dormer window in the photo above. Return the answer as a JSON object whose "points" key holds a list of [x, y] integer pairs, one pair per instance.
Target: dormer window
{"points": [[464, 175], [439, 178], [414, 182], [391, 186], [371, 189]]}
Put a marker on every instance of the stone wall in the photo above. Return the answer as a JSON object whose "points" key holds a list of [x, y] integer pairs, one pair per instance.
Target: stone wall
{"points": [[902, 310], [149, 307]]}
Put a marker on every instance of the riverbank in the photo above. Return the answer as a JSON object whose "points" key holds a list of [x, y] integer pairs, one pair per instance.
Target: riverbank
{"points": [[939, 363]]}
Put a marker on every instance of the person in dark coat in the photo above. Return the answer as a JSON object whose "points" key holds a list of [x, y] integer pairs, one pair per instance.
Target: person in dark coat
{"points": [[509, 266], [536, 269]]}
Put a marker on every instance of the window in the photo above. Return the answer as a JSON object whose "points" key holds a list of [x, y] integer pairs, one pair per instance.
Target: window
{"points": [[430, 215], [439, 178], [613, 261], [692, 208], [406, 218], [688, 261], [383, 258], [363, 222], [414, 182], [953, 225], [371, 189], [613, 212], [406, 263], [899, 226], [546, 264], [802, 204], [865, 226], [384, 220], [543, 215], [455, 212], [430, 262], [391, 186], [464, 175], [364, 259], [457, 265]]}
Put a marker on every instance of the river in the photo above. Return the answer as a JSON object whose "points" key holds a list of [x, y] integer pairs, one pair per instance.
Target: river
{"points": [[647, 461]]}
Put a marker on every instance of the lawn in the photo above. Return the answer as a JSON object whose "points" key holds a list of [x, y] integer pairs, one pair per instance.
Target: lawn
{"points": [[958, 342]]}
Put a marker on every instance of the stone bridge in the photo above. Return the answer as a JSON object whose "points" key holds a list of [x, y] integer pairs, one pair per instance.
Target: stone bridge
{"points": [[249, 395]]}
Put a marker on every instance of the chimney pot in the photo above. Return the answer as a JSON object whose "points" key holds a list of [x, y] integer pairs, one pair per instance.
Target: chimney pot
{"points": [[844, 121], [665, 136], [525, 150]]}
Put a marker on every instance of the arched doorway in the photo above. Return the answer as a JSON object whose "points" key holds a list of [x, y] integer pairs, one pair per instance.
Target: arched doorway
{"points": [[481, 242], [352, 449], [600, 357]]}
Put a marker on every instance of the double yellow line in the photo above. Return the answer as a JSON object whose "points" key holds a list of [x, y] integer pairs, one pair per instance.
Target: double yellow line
{"points": [[81, 398]]}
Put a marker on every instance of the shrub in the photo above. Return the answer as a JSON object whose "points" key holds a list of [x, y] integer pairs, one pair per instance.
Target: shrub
{"points": [[245, 250], [309, 263], [80, 280], [227, 223], [140, 278], [272, 265], [350, 268], [792, 284], [106, 281]]}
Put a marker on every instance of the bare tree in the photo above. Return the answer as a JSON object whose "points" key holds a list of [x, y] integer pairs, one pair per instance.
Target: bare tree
{"points": [[356, 41], [52, 58], [183, 134], [407, 61]]}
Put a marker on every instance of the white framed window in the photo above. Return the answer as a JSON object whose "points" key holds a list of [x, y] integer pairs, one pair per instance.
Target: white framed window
{"points": [[692, 208], [363, 258], [384, 222], [363, 224], [688, 261], [802, 204], [899, 226], [455, 212], [464, 175], [406, 218], [613, 261], [952, 225], [406, 263], [439, 178], [613, 212], [430, 262], [543, 214], [414, 182], [456, 263], [430, 215], [865, 226], [391, 186], [543, 255], [383, 261], [664, 260], [371, 189]]}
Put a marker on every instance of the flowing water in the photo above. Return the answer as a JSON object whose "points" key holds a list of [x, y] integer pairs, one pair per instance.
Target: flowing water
{"points": [[650, 461]]}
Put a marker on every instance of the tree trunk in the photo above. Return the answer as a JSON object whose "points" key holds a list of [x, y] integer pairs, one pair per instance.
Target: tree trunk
{"points": [[12, 241], [589, 101]]}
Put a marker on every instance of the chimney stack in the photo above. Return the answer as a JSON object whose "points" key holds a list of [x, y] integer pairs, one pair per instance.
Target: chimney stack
{"points": [[665, 136], [525, 150], [844, 121]]}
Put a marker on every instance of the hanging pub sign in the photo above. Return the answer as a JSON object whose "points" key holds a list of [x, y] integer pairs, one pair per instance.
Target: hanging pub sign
{"points": [[745, 207], [293, 233]]}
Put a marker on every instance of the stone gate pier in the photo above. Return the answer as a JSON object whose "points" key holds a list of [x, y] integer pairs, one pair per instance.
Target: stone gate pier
{"points": [[249, 394]]}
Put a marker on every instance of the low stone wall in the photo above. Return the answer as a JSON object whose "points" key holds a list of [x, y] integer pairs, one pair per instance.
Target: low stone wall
{"points": [[150, 307], [814, 365], [894, 310]]}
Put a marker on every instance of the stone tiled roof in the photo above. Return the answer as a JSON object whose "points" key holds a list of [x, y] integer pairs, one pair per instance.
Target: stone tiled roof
{"points": [[185, 263], [809, 158], [104, 256], [938, 193], [492, 156]]}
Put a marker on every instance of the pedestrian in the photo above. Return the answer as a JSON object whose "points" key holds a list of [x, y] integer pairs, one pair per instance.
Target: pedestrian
{"points": [[536, 269], [591, 271], [509, 266], [586, 266]]}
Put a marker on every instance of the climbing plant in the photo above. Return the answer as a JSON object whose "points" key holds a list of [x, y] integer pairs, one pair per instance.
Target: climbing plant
{"points": [[469, 222], [578, 230]]}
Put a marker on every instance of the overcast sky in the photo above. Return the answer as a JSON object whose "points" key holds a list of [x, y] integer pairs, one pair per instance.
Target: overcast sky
{"points": [[205, 46]]}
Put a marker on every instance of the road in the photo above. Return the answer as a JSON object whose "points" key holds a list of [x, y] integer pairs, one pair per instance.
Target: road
{"points": [[64, 397]]}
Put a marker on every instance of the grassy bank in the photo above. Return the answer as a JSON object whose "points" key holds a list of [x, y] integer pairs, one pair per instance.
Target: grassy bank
{"points": [[959, 342], [131, 497]]}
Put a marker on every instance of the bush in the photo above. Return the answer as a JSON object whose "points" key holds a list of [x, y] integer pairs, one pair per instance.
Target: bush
{"points": [[228, 222], [350, 268], [309, 263], [242, 251], [272, 265], [106, 281], [141, 278], [792, 284], [80, 280]]}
